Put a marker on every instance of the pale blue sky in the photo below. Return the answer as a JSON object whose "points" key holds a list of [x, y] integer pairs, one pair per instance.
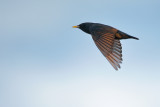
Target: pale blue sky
{"points": [[46, 63]]}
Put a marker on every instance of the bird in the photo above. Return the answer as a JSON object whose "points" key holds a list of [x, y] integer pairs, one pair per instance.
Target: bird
{"points": [[107, 39]]}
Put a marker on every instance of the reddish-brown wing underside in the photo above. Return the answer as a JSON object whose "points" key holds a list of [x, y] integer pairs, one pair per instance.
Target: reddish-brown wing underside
{"points": [[110, 48]]}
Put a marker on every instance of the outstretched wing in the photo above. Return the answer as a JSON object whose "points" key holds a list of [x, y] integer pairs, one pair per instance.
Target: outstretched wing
{"points": [[110, 47]]}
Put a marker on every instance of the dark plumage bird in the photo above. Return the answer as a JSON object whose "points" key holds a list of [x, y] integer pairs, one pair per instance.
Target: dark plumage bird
{"points": [[107, 39]]}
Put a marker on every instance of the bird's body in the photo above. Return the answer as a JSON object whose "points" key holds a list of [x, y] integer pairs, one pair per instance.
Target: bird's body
{"points": [[107, 39]]}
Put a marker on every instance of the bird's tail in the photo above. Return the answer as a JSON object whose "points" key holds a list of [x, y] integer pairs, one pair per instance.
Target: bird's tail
{"points": [[122, 35], [132, 37]]}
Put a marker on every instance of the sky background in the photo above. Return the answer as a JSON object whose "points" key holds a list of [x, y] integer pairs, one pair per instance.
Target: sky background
{"points": [[44, 62]]}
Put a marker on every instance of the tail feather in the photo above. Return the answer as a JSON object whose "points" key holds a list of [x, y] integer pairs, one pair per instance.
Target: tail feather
{"points": [[133, 37], [122, 35]]}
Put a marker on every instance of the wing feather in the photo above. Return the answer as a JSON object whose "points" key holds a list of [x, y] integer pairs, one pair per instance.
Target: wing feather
{"points": [[110, 47]]}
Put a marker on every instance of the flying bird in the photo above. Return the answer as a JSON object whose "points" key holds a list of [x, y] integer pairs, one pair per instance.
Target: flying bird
{"points": [[107, 39]]}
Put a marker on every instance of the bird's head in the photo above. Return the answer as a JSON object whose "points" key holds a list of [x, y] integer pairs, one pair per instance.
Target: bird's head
{"points": [[84, 27]]}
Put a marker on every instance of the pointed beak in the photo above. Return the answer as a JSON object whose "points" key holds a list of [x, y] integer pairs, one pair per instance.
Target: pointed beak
{"points": [[75, 26]]}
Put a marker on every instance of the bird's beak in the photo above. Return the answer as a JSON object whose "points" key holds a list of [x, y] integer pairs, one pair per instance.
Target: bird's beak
{"points": [[75, 26]]}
